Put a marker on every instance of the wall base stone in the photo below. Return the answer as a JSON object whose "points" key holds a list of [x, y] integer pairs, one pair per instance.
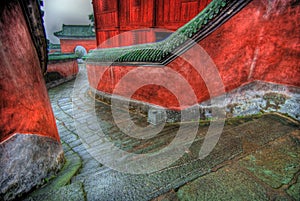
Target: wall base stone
{"points": [[259, 97], [253, 98], [60, 80], [25, 161]]}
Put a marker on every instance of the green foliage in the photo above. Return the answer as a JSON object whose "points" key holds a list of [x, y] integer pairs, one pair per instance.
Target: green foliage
{"points": [[92, 19]]}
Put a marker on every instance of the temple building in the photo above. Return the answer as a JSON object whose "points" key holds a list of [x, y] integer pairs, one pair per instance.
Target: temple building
{"points": [[72, 36]]}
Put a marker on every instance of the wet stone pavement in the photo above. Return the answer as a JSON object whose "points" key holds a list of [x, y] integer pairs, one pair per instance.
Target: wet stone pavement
{"points": [[256, 158]]}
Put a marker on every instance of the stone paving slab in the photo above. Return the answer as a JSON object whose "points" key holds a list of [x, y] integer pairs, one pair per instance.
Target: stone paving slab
{"points": [[277, 163], [266, 129], [294, 190], [143, 187], [257, 176], [229, 183]]}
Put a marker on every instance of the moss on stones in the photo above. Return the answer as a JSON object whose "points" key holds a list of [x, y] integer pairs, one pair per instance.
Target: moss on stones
{"points": [[274, 100], [63, 178]]}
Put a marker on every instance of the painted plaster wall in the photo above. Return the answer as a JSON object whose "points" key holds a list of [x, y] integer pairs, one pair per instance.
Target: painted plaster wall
{"points": [[64, 68], [24, 104], [261, 43], [69, 45]]}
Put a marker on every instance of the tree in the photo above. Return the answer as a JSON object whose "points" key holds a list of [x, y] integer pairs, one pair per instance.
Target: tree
{"points": [[92, 19]]}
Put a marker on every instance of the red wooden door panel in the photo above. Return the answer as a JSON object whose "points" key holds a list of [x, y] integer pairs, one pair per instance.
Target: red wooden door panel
{"points": [[106, 14], [116, 16], [172, 14], [136, 14]]}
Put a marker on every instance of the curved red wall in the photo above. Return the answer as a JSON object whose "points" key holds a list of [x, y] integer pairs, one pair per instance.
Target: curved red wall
{"points": [[261, 42]]}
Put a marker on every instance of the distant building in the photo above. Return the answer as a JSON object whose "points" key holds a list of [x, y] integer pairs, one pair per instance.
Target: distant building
{"points": [[72, 36]]}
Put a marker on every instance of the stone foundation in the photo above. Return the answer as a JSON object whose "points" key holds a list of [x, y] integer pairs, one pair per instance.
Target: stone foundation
{"points": [[260, 97], [25, 160], [254, 98], [58, 79]]}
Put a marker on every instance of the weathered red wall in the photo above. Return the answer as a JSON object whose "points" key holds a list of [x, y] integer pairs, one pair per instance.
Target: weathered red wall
{"points": [[24, 104], [113, 17], [260, 43], [64, 68], [69, 45]]}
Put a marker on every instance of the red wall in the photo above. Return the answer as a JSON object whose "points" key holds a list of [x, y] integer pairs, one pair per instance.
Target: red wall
{"points": [[259, 43], [113, 17], [69, 45], [24, 103], [124, 38], [64, 68]]}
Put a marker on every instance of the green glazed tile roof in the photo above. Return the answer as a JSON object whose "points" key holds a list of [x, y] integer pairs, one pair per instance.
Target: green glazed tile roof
{"points": [[214, 15], [54, 46], [76, 31], [61, 56]]}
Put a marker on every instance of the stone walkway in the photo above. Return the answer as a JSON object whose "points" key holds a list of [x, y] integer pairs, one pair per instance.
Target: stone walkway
{"points": [[256, 158]]}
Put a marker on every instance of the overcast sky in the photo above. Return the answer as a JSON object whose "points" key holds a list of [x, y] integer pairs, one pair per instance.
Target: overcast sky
{"points": [[58, 12]]}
